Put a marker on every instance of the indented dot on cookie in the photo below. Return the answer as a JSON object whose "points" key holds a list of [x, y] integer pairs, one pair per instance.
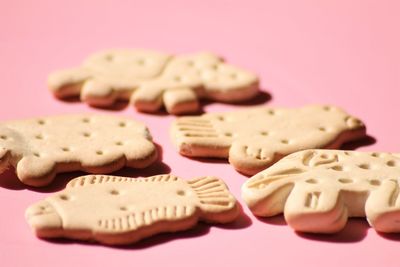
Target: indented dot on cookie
{"points": [[180, 193], [122, 124], [327, 108], [123, 208], [119, 143], [364, 166], [271, 112], [375, 182], [264, 133], [322, 129], [36, 154], [3, 137], [311, 181], [114, 192], [228, 134], [64, 197], [65, 149], [85, 120], [285, 141], [86, 134], [99, 152], [337, 168], [41, 122], [109, 57], [391, 163], [39, 136], [345, 180]]}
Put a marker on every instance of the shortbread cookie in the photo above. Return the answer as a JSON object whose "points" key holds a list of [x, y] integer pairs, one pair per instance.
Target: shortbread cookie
{"points": [[119, 210], [317, 190], [152, 79], [255, 138], [40, 148]]}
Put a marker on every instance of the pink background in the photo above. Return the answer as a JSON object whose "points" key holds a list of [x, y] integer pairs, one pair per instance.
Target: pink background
{"points": [[339, 52]]}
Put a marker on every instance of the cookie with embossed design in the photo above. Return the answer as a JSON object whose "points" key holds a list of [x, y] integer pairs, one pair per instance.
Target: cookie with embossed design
{"points": [[318, 190], [254, 138], [119, 210]]}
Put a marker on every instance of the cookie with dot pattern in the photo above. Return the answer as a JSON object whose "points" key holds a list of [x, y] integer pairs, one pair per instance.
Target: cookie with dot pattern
{"points": [[119, 210], [40, 148], [255, 138], [153, 79], [318, 190]]}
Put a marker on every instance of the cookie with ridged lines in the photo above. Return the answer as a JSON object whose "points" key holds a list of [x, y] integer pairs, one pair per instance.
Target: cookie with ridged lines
{"points": [[318, 190], [254, 138], [40, 148], [117, 210], [152, 80]]}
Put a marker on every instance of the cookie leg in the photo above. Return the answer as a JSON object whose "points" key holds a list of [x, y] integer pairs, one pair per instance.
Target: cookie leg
{"points": [[147, 98], [98, 93], [249, 158], [181, 101], [36, 170], [319, 211], [383, 207]]}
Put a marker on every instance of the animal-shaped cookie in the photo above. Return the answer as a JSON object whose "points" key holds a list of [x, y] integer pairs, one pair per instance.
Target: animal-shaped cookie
{"points": [[255, 138], [152, 79], [42, 147], [119, 210], [317, 190]]}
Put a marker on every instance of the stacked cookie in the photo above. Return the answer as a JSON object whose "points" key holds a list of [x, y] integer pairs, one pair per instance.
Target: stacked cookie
{"points": [[288, 150]]}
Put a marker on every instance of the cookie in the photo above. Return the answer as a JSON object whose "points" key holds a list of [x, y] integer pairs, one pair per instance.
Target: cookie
{"points": [[318, 190], [152, 80], [117, 210], [255, 138], [42, 147]]}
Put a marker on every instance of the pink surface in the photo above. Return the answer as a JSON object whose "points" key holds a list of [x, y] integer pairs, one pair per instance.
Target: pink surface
{"points": [[339, 52]]}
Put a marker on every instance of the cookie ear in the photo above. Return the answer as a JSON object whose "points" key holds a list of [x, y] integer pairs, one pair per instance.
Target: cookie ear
{"points": [[215, 201]]}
